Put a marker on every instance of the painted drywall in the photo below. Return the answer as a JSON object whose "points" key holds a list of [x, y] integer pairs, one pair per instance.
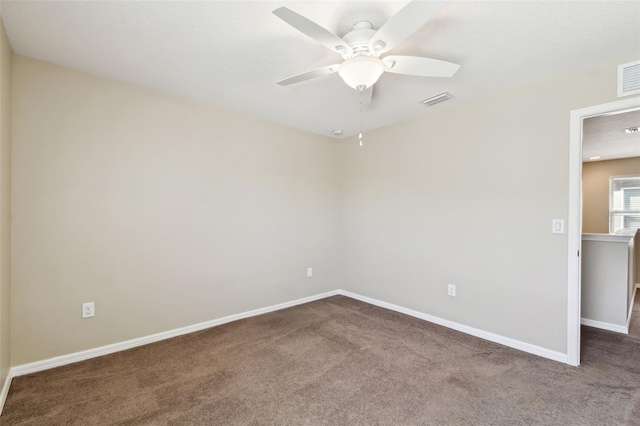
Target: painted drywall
{"points": [[605, 267], [5, 203], [595, 191], [167, 212], [466, 196], [162, 211]]}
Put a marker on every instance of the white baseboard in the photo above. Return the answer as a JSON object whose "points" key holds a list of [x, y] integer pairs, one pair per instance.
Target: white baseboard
{"points": [[5, 390], [496, 338], [605, 325], [58, 361]]}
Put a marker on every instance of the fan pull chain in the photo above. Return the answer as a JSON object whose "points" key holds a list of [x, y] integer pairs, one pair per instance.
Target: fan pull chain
{"points": [[361, 89]]}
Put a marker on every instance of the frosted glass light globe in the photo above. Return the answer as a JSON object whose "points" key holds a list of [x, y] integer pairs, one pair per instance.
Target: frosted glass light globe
{"points": [[361, 71]]}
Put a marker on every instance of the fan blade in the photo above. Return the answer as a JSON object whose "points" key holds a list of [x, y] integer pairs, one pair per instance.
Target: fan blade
{"points": [[366, 95], [318, 72], [313, 30], [423, 67], [403, 24]]}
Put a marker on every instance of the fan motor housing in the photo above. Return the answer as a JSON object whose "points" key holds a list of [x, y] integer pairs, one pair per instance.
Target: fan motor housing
{"points": [[358, 38]]}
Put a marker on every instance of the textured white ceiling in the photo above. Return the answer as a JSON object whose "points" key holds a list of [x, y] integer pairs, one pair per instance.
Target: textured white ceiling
{"points": [[605, 137], [231, 53]]}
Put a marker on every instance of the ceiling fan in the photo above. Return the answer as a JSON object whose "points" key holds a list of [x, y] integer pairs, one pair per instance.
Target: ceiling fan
{"points": [[362, 47]]}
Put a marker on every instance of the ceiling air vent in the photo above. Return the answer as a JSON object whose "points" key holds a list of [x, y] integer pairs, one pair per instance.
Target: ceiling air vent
{"points": [[629, 79], [436, 99]]}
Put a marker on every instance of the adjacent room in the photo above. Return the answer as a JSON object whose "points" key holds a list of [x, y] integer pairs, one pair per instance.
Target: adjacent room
{"points": [[611, 219], [345, 212]]}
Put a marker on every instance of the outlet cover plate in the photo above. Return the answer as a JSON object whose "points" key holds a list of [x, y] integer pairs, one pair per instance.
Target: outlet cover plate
{"points": [[88, 310], [451, 290]]}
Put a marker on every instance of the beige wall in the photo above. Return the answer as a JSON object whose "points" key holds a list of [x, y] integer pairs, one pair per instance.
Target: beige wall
{"points": [[164, 212], [466, 197], [167, 212], [595, 191], [5, 202]]}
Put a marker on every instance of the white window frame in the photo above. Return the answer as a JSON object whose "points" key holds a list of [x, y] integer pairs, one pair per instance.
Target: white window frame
{"points": [[613, 213]]}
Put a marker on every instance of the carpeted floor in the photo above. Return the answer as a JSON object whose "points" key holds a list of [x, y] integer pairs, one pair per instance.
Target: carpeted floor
{"points": [[634, 325], [335, 361]]}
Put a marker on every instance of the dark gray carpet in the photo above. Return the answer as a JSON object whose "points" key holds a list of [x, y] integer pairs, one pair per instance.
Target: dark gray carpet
{"points": [[335, 361], [634, 325]]}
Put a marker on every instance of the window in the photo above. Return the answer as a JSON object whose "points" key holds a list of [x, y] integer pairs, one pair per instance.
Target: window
{"points": [[624, 204]]}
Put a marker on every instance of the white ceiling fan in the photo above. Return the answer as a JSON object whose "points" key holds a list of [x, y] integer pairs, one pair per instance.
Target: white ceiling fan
{"points": [[363, 46]]}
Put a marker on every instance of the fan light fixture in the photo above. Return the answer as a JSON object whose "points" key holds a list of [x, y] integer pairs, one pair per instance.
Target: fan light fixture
{"points": [[361, 71]]}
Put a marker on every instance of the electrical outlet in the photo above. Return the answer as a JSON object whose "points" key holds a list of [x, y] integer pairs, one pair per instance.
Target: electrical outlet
{"points": [[451, 290], [309, 272], [88, 310]]}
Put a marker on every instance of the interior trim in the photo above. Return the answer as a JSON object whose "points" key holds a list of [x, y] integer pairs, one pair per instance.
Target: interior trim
{"points": [[492, 337], [605, 326], [5, 390], [58, 361], [574, 217], [609, 238]]}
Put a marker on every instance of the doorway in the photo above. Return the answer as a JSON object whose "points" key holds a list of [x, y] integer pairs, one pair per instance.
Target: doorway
{"points": [[574, 219]]}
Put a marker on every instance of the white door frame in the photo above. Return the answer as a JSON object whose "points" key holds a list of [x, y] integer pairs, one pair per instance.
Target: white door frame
{"points": [[574, 223]]}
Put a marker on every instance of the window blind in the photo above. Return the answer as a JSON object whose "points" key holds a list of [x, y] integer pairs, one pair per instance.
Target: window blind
{"points": [[624, 204]]}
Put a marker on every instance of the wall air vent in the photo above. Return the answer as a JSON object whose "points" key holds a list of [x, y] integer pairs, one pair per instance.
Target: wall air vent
{"points": [[629, 79], [436, 99]]}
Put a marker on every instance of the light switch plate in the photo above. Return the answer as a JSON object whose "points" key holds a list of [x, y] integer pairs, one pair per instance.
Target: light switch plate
{"points": [[557, 226]]}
